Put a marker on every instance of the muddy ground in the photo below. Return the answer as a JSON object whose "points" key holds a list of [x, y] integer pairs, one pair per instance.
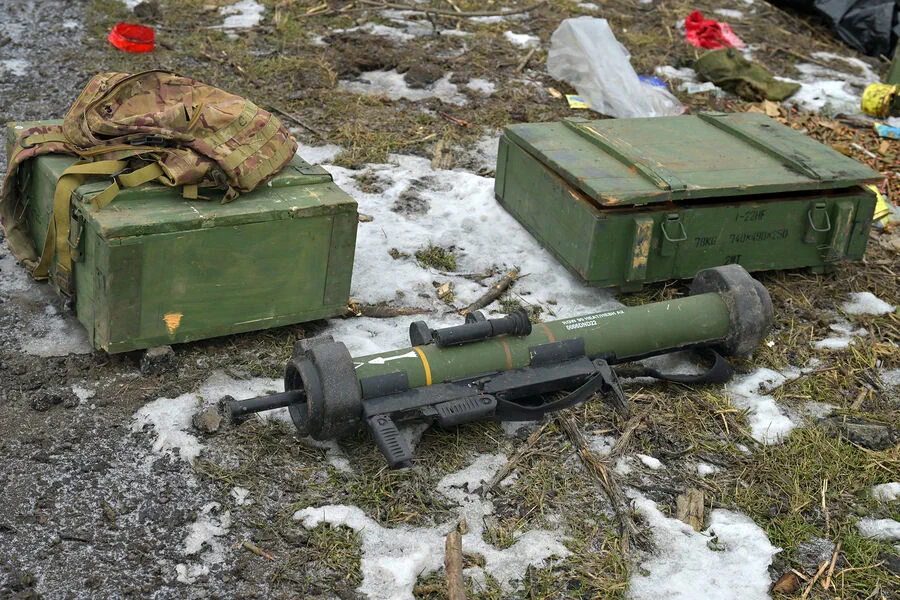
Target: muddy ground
{"points": [[90, 511]]}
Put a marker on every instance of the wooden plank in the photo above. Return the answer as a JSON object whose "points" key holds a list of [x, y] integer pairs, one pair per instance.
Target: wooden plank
{"points": [[124, 292], [340, 258], [629, 155], [689, 508], [757, 138]]}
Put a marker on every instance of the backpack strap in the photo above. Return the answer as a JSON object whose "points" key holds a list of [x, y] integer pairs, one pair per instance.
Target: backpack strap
{"points": [[126, 178], [30, 143], [56, 244]]}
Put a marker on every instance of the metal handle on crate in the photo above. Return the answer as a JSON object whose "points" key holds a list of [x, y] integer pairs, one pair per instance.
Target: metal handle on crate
{"points": [[812, 223], [674, 219]]}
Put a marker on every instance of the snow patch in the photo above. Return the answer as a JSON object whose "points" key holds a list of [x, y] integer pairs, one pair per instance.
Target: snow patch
{"points": [[768, 423], [668, 73], [729, 560], [171, 417], [394, 558], [82, 393], [189, 574], [650, 462], [704, 469], [588, 6], [205, 530], [393, 85], [241, 15], [202, 541], [823, 87], [239, 495], [499, 18], [512, 428], [36, 325], [334, 454], [482, 85], [57, 335], [886, 492], [315, 155], [601, 445], [623, 466], [729, 13], [891, 378], [484, 154], [879, 529], [866, 303], [839, 342], [522, 40], [407, 29], [818, 410]]}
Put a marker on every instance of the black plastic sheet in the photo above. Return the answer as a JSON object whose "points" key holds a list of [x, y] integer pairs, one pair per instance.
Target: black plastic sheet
{"points": [[870, 26]]}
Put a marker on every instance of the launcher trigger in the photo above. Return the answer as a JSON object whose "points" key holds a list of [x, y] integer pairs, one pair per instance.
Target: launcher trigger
{"points": [[613, 393]]}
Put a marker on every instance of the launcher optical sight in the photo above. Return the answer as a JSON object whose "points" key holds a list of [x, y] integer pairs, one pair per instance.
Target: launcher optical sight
{"points": [[505, 368]]}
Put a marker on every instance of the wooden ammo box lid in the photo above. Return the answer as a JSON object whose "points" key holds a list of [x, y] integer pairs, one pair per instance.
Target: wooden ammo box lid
{"points": [[154, 208], [630, 162]]}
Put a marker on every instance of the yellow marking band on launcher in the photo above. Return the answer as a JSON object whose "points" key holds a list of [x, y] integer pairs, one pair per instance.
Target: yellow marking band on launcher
{"points": [[424, 364], [509, 363], [549, 334]]}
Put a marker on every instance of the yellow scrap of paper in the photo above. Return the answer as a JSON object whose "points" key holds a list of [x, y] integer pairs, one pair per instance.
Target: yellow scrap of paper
{"points": [[882, 211], [577, 101]]}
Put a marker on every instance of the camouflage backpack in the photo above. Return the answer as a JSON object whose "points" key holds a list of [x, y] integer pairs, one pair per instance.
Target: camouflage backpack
{"points": [[137, 128]]}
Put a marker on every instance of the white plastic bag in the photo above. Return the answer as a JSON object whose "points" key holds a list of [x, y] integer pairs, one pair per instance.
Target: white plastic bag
{"points": [[585, 53]]}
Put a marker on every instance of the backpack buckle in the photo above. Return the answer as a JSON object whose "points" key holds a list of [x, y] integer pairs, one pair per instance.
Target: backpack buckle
{"points": [[148, 140], [115, 176]]}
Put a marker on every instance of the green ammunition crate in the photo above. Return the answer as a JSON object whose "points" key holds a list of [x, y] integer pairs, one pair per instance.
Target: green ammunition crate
{"points": [[153, 268], [623, 202]]}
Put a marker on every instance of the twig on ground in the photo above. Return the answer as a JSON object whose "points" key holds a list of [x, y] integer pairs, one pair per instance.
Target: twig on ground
{"points": [[454, 120], [827, 583], [452, 13], [813, 581], [525, 60], [595, 465], [493, 293], [297, 121], [453, 562], [631, 426], [517, 456], [801, 377], [256, 549], [470, 276], [381, 311]]}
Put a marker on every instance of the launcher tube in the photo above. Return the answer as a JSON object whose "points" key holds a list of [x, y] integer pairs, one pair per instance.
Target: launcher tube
{"points": [[623, 334]]}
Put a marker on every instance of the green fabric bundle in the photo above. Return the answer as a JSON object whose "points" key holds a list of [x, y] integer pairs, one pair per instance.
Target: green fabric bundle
{"points": [[729, 70]]}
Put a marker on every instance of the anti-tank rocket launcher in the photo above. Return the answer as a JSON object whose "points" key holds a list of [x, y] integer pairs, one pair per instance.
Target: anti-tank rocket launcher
{"points": [[507, 368]]}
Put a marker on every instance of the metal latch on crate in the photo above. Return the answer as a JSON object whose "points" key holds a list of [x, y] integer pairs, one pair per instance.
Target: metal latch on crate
{"points": [[74, 240], [673, 232], [818, 221]]}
